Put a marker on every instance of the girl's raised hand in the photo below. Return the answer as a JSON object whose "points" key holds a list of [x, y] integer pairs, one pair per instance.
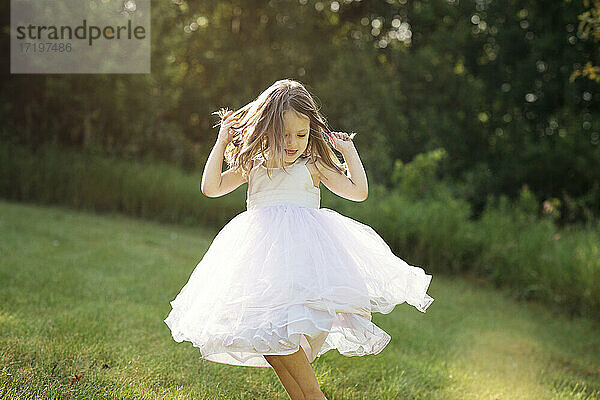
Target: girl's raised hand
{"points": [[341, 141], [225, 135]]}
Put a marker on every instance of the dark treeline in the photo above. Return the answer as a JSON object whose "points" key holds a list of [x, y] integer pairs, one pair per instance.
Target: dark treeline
{"points": [[487, 81]]}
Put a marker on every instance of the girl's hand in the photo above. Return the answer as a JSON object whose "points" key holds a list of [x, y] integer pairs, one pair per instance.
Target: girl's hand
{"points": [[225, 135], [341, 141]]}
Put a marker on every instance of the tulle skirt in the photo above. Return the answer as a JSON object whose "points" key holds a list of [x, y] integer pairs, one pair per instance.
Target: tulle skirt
{"points": [[282, 277]]}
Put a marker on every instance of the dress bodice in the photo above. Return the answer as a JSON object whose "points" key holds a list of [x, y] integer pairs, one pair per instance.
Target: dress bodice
{"points": [[292, 186]]}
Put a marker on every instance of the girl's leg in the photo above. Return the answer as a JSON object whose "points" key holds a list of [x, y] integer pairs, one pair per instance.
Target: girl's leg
{"points": [[300, 369], [289, 383]]}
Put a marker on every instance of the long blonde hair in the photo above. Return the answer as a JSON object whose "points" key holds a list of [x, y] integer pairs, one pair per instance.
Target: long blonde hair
{"points": [[260, 128]]}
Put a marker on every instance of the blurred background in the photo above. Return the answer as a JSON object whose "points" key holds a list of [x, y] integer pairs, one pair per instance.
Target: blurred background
{"points": [[478, 125], [488, 100]]}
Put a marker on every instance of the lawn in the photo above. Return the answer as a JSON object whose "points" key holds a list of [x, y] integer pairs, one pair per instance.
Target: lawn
{"points": [[83, 298]]}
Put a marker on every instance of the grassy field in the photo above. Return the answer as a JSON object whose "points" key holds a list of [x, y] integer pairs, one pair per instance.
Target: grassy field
{"points": [[83, 298]]}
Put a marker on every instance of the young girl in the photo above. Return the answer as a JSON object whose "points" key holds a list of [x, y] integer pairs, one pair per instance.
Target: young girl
{"points": [[286, 281]]}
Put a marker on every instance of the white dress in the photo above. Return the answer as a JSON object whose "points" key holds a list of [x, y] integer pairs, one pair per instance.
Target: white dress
{"points": [[286, 273]]}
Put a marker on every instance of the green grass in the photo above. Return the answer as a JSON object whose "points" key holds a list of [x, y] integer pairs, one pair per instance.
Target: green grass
{"points": [[86, 295]]}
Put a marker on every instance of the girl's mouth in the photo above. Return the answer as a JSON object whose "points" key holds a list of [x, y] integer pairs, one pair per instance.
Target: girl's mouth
{"points": [[290, 152]]}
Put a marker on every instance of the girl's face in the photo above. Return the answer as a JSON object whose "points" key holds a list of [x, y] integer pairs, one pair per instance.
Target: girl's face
{"points": [[296, 132]]}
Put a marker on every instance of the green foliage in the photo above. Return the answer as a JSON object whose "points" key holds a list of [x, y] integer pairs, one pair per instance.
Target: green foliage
{"points": [[486, 81], [527, 202], [419, 178], [536, 258], [347, 111], [589, 25], [91, 182]]}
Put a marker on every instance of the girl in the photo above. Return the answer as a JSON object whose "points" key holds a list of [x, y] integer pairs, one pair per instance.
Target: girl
{"points": [[286, 281]]}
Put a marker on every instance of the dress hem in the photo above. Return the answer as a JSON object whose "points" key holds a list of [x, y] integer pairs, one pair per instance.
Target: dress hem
{"points": [[317, 340]]}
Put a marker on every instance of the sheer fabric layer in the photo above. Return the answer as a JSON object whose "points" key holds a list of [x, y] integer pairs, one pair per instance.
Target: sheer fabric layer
{"points": [[280, 277]]}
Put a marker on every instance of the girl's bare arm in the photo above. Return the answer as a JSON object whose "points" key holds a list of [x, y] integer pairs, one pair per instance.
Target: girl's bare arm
{"points": [[352, 187], [216, 183]]}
